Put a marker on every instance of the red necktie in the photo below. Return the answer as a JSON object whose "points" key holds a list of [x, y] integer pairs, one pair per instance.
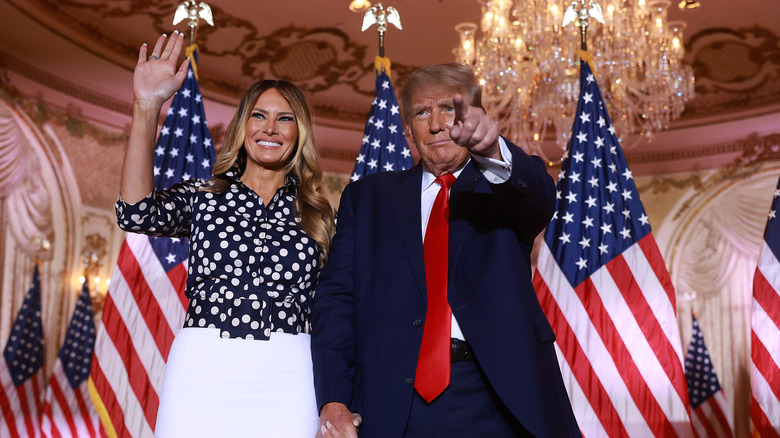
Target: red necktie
{"points": [[433, 365]]}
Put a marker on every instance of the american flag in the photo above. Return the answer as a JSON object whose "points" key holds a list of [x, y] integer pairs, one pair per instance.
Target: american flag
{"points": [[765, 335], [603, 285], [384, 145], [709, 417], [146, 304], [21, 369], [68, 410]]}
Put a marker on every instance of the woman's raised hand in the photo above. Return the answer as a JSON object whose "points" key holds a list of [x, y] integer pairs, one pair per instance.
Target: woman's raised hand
{"points": [[156, 77]]}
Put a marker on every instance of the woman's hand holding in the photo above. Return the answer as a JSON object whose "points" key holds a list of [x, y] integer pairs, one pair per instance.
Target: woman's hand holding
{"points": [[156, 77]]}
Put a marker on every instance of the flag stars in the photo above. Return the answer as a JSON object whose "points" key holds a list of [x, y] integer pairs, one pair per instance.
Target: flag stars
{"points": [[575, 177], [193, 139], [354, 177], [372, 163], [613, 168], [156, 171], [196, 119], [626, 233], [587, 97], [406, 153], [388, 167], [771, 214], [361, 158], [174, 153], [182, 112], [568, 217], [393, 129], [186, 93], [390, 147], [611, 130], [643, 219], [627, 174], [606, 228], [365, 139], [582, 137], [165, 131], [178, 132], [578, 157], [205, 163], [626, 195], [582, 263], [584, 117], [627, 213], [169, 173], [599, 142], [379, 124], [603, 248], [590, 78], [596, 162], [571, 197], [612, 186], [190, 158], [594, 182], [587, 222], [385, 85], [601, 122], [160, 151], [591, 201], [376, 144], [585, 242], [170, 258], [609, 207], [394, 110], [565, 238], [382, 104]]}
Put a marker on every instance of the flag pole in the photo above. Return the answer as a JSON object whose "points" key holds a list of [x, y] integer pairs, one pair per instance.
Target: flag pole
{"points": [[381, 16], [193, 11]]}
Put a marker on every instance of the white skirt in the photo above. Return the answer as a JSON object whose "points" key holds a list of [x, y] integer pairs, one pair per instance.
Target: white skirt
{"points": [[237, 388]]}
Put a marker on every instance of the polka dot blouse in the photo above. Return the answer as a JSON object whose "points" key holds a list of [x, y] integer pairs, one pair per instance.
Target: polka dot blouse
{"points": [[252, 268]]}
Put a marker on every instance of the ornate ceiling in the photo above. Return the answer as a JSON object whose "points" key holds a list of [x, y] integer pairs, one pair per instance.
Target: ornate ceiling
{"points": [[87, 49]]}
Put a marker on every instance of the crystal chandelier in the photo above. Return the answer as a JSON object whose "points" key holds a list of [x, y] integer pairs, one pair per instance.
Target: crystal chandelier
{"points": [[527, 62]]}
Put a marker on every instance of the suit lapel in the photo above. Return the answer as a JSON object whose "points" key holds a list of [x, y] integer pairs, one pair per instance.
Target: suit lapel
{"points": [[467, 181], [406, 206]]}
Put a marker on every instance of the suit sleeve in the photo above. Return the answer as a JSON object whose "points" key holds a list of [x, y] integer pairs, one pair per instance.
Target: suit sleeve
{"points": [[529, 193], [333, 314]]}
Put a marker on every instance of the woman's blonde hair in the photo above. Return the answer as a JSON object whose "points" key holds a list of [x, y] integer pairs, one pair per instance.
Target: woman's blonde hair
{"points": [[311, 203]]}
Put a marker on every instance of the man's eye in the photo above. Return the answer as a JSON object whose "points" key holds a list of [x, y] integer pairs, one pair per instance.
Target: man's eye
{"points": [[450, 109]]}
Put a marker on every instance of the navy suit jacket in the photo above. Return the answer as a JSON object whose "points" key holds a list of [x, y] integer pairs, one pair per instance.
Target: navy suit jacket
{"points": [[370, 300]]}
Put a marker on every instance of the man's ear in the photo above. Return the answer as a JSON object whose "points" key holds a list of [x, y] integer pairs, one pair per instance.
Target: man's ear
{"points": [[408, 131]]}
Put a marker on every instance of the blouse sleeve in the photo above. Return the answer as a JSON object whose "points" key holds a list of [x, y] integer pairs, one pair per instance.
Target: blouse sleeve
{"points": [[167, 213]]}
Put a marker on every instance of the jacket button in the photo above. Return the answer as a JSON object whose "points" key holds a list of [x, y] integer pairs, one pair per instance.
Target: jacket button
{"points": [[409, 381], [417, 322]]}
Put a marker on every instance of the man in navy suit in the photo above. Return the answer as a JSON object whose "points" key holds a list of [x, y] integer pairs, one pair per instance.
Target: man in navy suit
{"points": [[371, 316]]}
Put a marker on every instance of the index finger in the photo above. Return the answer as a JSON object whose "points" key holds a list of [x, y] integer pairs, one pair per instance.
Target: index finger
{"points": [[461, 108]]}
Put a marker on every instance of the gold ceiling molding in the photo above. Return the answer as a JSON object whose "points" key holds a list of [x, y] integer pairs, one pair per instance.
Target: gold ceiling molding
{"points": [[755, 153], [733, 68]]}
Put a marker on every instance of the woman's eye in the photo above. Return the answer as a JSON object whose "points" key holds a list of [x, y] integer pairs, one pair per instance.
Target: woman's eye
{"points": [[258, 115], [287, 119]]}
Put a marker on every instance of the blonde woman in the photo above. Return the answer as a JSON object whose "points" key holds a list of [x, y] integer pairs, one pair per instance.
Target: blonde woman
{"points": [[259, 232]]}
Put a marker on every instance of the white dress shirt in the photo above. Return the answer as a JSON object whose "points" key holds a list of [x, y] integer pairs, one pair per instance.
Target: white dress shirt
{"points": [[496, 171]]}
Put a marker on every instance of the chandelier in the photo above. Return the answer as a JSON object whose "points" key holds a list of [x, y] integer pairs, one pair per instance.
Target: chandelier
{"points": [[527, 62]]}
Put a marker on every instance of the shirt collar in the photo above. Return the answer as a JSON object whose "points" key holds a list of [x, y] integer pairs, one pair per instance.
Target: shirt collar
{"points": [[291, 182], [428, 180]]}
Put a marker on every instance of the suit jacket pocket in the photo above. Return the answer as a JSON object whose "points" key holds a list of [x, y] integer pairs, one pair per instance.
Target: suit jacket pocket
{"points": [[544, 330]]}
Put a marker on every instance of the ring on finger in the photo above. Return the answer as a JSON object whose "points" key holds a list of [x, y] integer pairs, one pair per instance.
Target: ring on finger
{"points": [[152, 57]]}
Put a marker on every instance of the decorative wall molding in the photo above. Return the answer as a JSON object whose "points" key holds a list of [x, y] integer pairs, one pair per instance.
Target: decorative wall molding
{"points": [[734, 68]]}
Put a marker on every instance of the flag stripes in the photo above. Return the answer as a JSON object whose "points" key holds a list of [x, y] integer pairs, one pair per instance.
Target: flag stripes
{"points": [[765, 332], [616, 385]]}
